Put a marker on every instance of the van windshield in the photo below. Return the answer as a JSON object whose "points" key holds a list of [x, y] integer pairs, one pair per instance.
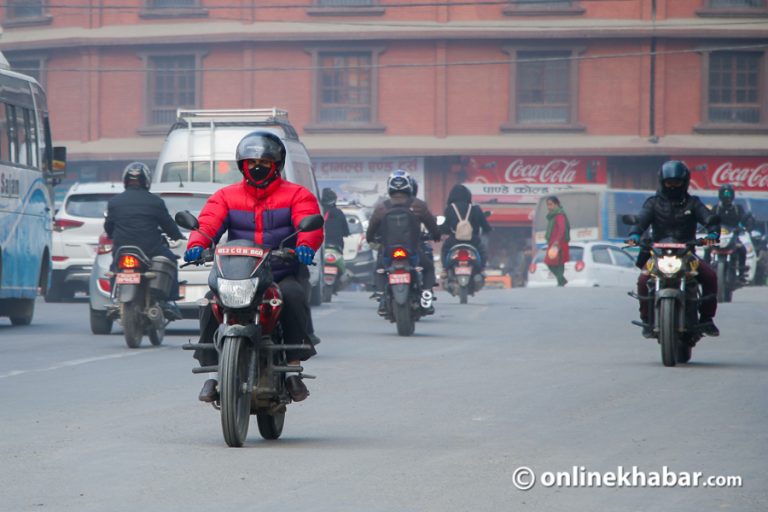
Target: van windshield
{"points": [[225, 172]]}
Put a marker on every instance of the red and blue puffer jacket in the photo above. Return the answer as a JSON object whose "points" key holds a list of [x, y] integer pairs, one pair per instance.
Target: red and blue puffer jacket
{"points": [[265, 216]]}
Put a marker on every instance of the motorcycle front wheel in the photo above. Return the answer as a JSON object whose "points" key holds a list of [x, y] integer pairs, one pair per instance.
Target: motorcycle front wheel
{"points": [[133, 324], [235, 399], [668, 331]]}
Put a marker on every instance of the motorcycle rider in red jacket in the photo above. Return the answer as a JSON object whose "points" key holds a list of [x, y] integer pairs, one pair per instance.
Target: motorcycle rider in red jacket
{"points": [[266, 209]]}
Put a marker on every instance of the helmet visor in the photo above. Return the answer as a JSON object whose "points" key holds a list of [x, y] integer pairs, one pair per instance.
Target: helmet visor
{"points": [[672, 173]]}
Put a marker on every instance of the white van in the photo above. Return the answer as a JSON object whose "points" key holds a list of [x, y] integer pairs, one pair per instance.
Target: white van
{"points": [[200, 147]]}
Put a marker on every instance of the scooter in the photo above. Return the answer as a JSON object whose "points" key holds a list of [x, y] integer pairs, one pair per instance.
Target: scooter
{"points": [[333, 272], [252, 359], [464, 275], [142, 285]]}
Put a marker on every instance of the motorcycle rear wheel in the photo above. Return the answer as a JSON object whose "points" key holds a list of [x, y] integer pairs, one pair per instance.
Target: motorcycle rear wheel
{"points": [[270, 425], [463, 294], [156, 335], [235, 400], [133, 324], [404, 319], [668, 331]]}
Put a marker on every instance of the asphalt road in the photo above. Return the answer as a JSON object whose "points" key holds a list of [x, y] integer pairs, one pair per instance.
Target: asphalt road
{"points": [[550, 379]]}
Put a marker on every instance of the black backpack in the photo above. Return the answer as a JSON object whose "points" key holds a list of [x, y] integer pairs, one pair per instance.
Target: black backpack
{"points": [[400, 226]]}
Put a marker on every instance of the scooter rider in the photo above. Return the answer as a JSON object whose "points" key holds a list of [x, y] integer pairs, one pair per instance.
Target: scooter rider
{"points": [[401, 195], [460, 199], [733, 216], [673, 213], [265, 208], [138, 217], [336, 227]]}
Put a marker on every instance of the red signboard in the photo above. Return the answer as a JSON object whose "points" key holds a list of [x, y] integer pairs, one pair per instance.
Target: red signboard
{"points": [[507, 179], [744, 173]]}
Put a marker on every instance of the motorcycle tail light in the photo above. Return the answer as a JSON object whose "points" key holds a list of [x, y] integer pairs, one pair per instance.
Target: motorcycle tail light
{"points": [[128, 262], [579, 266], [105, 244], [330, 258], [532, 268], [399, 254], [463, 255]]}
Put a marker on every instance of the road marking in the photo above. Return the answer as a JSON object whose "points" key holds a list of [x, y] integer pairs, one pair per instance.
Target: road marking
{"points": [[75, 362]]}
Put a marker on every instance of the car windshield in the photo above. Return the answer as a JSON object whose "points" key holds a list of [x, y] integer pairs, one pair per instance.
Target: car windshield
{"points": [[180, 201], [87, 205], [226, 172], [576, 253]]}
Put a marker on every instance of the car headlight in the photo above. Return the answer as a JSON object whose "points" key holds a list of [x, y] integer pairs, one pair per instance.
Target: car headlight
{"points": [[670, 264], [237, 294]]}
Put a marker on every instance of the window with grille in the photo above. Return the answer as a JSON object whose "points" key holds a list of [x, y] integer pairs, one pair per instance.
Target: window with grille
{"points": [[542, 4], [345, 88], [346, 3], [736, 92], [737, 4], [172, 4], [172, 85], [543, 87], [25, 8]]}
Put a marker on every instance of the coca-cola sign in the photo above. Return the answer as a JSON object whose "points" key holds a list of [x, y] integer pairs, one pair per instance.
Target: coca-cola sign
{"points": [[537, 170], [748, 174]]}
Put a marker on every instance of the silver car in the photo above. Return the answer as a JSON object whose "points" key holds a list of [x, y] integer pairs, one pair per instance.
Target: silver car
{"points": [[193, 279]]}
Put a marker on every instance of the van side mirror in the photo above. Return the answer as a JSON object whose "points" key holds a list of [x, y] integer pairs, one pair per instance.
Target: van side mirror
{"points": [[58, 165], [186, 220], [311, 223], [487, 213], [630, 220]]}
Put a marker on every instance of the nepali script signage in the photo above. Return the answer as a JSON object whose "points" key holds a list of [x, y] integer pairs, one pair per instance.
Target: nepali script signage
{"points": [[747, 174], [526, 179]]}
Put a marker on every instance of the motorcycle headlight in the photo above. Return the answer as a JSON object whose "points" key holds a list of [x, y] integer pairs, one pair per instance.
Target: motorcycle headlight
{"points": [[237, 294], [670, 265]]}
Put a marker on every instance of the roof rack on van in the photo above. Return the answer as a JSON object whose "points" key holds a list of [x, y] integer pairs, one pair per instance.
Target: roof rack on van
{"points": [[213, 118]]}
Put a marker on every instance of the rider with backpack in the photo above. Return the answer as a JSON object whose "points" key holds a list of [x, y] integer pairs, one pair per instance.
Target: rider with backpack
{"points": [[398, 220], [464, 223]]}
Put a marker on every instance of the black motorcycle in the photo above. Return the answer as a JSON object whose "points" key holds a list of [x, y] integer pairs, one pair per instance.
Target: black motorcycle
{"points": [[725, 260], [142, 285], [402, 295], [252, 360]]}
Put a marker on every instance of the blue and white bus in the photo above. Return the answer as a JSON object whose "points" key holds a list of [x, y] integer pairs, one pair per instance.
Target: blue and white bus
{"points": [[29, 167]]}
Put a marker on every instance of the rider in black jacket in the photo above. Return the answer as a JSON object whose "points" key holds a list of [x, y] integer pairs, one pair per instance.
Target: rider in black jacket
{"points": [[673, 213], [138, 217], [733, 216], [336, 227]]}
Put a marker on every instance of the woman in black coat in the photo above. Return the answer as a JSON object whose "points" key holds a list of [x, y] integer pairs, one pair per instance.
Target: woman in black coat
{"points": [[461, 197]]}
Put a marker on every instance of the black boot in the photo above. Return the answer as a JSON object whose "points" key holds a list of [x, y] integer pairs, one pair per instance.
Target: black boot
{"points": [[296, 388], [708, 327], [209, 392]]}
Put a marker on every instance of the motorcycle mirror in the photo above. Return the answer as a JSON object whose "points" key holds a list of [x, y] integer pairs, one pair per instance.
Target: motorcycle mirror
{"points": [[186, 220], [440, 220], [487, 213], [311, 223], [630, 220]]}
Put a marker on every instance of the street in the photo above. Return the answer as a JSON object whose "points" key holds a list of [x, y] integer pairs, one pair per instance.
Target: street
{"points": [[552, 379]]}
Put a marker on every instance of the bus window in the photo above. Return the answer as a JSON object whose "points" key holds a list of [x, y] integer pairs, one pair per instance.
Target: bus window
{"points": [[29, 118], [13, 155], [4, 140], [22, 132]]}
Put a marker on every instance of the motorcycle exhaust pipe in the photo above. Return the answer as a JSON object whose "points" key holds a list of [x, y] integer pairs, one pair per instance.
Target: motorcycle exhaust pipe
{"points": [[155, 315]]}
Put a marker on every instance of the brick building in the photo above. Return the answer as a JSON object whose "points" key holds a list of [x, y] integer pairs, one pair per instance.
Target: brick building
{"points": [[518, 98]]}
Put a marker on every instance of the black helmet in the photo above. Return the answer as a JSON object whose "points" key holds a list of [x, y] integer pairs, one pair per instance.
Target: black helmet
{"points": [[399, 181], [677, 171], [726, 194], [260, 145], [137, 174], [328, 197]]}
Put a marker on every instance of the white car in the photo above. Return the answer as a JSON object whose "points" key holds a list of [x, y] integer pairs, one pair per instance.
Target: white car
{"points": [[76, 229], [359, 257], [193, 279], [598, 263]]}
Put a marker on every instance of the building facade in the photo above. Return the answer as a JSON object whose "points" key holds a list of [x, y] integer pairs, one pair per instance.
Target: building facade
{"points": [[517, 98]]}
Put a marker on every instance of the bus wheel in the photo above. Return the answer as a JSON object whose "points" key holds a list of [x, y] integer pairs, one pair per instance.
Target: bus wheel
{"points": [[22, 312]]}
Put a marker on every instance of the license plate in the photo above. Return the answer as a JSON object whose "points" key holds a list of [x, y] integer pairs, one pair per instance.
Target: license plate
{"points": [[463, 271], [128, 278], [331, 270], [402, 278]]}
